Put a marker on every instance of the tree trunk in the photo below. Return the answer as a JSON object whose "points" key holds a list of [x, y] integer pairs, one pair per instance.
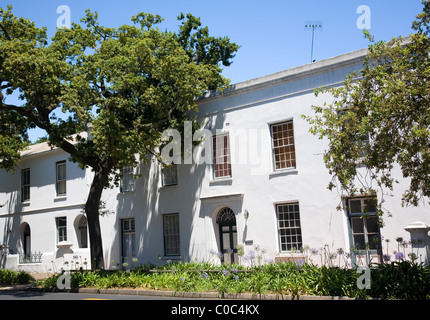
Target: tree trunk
{"points": [[92, 206]]}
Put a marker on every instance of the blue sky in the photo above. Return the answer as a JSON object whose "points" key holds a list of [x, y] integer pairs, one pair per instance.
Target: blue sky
{"points": [[271, 32]]}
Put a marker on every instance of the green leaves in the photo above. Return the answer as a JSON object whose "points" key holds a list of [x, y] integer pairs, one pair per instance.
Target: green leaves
{"points": [[382, 118], [131, 83]]}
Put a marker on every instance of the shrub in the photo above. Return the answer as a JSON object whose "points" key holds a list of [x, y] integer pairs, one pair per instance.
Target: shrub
{"points": [[8, 277], [397, 280]]}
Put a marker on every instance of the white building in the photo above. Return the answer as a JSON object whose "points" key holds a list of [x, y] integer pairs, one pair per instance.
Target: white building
{"points": [[267, 188]]}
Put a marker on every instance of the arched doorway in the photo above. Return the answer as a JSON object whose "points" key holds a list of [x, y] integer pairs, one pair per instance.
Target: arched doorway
{"points": [[226, 221]]}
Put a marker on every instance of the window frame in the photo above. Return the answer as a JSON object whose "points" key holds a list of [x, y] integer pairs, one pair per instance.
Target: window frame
{"points": [[61, 229], [292, 160], [298, 234], [166, 172], [127, 180], [171, 235], [83, 232], [63, 180], [25, 185], [225, 165], [129, 232], [364, 216]]}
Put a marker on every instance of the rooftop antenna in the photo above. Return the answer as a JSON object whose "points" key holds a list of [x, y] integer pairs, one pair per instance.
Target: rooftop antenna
{"points": [[314, 26]]}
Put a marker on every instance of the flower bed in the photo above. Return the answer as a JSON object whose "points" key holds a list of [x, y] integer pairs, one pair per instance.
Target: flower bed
{"points": [[395, 280]]}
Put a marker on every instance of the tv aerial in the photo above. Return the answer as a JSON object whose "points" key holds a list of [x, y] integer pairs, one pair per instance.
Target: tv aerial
{"points": [[313, 26]]}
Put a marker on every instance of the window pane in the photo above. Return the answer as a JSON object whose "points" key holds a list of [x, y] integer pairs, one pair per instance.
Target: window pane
{"points": [[171, 234], [355, 206], [62, 187], [372, 225], [370, 205], [283, 145], [61, 229], [221, 156], [61, 178], [374, 241], [25, 185], [359, 242], [357, 225], [290, 234], [128, 238], [170, 175], [127, 182]]}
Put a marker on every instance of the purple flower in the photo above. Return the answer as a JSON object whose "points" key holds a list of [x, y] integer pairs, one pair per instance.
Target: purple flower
{"points": [[387, 257], [313, 251], [300, 263], [400, 256], [226, 273], [204, 275]]}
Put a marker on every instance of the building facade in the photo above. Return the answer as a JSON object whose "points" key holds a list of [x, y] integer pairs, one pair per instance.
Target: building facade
{"points": [[255, 189]]}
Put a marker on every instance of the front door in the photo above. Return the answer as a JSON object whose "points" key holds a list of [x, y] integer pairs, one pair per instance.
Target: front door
{"points": [[228, 235]]}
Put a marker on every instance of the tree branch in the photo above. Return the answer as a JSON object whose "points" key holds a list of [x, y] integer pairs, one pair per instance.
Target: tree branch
{"points": [[5, 32]]}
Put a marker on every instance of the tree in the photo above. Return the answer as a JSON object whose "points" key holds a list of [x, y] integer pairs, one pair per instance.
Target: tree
{"points": [[128, 83], [380, 118]]}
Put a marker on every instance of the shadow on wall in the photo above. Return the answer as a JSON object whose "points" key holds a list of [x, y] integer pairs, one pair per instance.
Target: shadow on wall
{"points": [[150, 201]]}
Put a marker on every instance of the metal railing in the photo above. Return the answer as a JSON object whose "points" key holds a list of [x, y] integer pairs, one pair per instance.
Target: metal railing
{"points": [[33, 257]]}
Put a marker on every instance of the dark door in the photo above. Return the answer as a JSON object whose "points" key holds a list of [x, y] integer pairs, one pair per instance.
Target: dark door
{"points": [[228, 235]]}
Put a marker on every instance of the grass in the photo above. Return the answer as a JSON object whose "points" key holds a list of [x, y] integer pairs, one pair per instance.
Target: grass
{"points": [[396, 280]]}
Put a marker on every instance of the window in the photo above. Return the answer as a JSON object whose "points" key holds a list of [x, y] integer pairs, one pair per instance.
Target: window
{"points": [[364, 226], [61, 229], [221, 156], [61, 178], [170, 175], [25, 185], [83, 232], [127, 181], [171, 234], [289, 229], [128, 238], [284, 153]]}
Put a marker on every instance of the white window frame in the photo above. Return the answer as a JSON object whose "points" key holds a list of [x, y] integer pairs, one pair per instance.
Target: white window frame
{"points": [[171, 234], [127, 182], [169, 175], [61, 229], [25, 185], [225, 156], [293, 161], [61, 178], [128, 238], [289, 226]]}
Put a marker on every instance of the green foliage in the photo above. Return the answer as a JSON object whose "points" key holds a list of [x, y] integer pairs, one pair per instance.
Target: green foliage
{"points": [[401, 280], [128, 84], [404, 280], [387, 102], [10, 277]]}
